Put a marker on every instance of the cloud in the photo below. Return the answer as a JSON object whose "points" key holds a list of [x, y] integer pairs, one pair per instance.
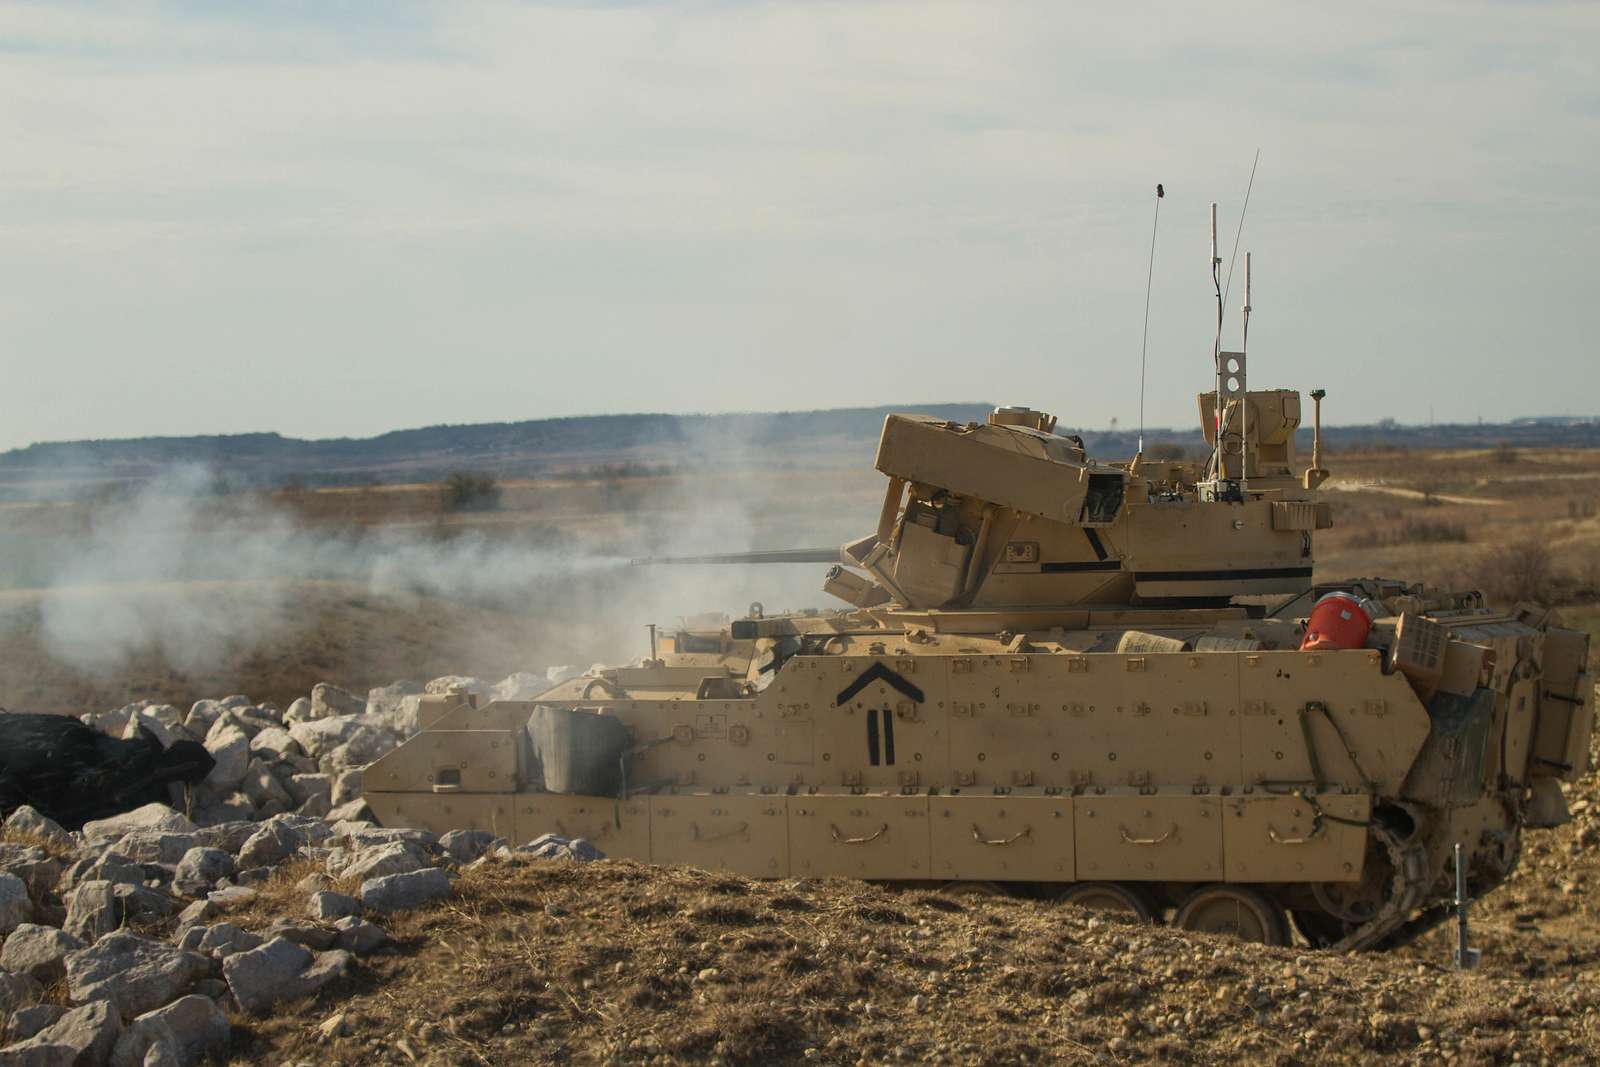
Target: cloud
{"points": [[288, 217]]}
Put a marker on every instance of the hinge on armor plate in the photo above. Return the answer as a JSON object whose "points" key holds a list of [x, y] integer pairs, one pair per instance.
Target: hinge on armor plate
{"points": [[1078, 665], [1257, 707], [909, 778], [1022, 709], [1018, 665], [1081, 779], [966, 777], [1133, 663], [961, 710], [850, 778], [1377, 707], [1194, 707], [1141, 708], [1139, 778], [1021, 777], [907, 711], [961, 666], [1078, 710]]}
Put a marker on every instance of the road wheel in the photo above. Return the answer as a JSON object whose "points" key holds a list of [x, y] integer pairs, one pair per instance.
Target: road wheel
{"points": [[1236, 911], [1109, 897]]}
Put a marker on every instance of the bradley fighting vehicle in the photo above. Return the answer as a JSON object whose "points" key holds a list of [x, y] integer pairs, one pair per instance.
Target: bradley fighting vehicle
{"points": [[1113, 683]]}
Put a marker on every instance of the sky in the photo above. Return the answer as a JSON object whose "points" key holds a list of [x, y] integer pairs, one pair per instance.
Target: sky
{"points": [[337, 218]]}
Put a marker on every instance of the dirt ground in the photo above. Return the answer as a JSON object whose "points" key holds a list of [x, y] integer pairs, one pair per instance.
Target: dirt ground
{"points": [[618, 962]]}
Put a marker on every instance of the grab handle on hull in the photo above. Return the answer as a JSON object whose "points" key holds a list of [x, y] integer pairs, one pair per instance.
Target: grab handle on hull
{"points": [[977, 835], [843, 840], [698, 837], [1128, 839]]}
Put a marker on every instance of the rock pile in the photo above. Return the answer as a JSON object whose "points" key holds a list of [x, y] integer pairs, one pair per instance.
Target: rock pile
{"points": [[130, 942], [155, 927], [306, 759]]}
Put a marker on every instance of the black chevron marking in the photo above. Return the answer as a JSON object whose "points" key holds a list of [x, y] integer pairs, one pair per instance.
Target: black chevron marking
{"points": [[876, 673]]}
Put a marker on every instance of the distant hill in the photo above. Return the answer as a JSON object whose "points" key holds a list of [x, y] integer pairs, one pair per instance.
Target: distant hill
{"points": [[532, 448], [565, 446]]}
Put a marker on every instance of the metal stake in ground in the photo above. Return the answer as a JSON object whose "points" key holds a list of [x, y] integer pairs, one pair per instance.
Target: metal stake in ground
{"points": [[1466, 957]]}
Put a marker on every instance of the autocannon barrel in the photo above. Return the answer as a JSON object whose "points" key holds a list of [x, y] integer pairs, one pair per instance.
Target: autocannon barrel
{"points": [[781, 555]]}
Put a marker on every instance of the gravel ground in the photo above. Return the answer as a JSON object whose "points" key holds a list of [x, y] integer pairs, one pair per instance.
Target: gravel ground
{"points": [[617, 962]]}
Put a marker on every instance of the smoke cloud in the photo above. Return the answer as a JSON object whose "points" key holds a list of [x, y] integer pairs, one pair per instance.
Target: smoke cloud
{"points": [[196, 579]]}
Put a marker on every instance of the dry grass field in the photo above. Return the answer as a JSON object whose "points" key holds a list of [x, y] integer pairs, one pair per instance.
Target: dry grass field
{"points": [[268, 593], [1519, 524]]}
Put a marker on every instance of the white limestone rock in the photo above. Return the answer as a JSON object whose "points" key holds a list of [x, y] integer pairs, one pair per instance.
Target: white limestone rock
{"points": [[152, 816], [200, 869], [399, 892], [16, 907], [279, 970], [229, 745], [274, 744], [397, 857], [93, 911], [83, 1037], [134, 973], [192, 1028], [29, 821], [17, 990], [154, 846], [40, 952], [348, 786], [329, 700]]}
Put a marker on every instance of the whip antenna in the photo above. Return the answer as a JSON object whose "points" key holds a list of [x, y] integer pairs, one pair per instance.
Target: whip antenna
{"points": [[1226, 289], [1216, 353], [1144, 342]]}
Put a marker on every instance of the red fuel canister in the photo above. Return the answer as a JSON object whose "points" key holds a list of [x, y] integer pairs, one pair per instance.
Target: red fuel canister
{"points": [[1337, 621]]}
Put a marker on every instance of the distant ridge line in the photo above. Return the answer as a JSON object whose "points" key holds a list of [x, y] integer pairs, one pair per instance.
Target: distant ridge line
{"points": [[647, 440]]}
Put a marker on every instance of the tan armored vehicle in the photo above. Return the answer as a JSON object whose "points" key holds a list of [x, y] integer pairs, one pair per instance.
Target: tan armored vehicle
{"points": [[1113, 683]]}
